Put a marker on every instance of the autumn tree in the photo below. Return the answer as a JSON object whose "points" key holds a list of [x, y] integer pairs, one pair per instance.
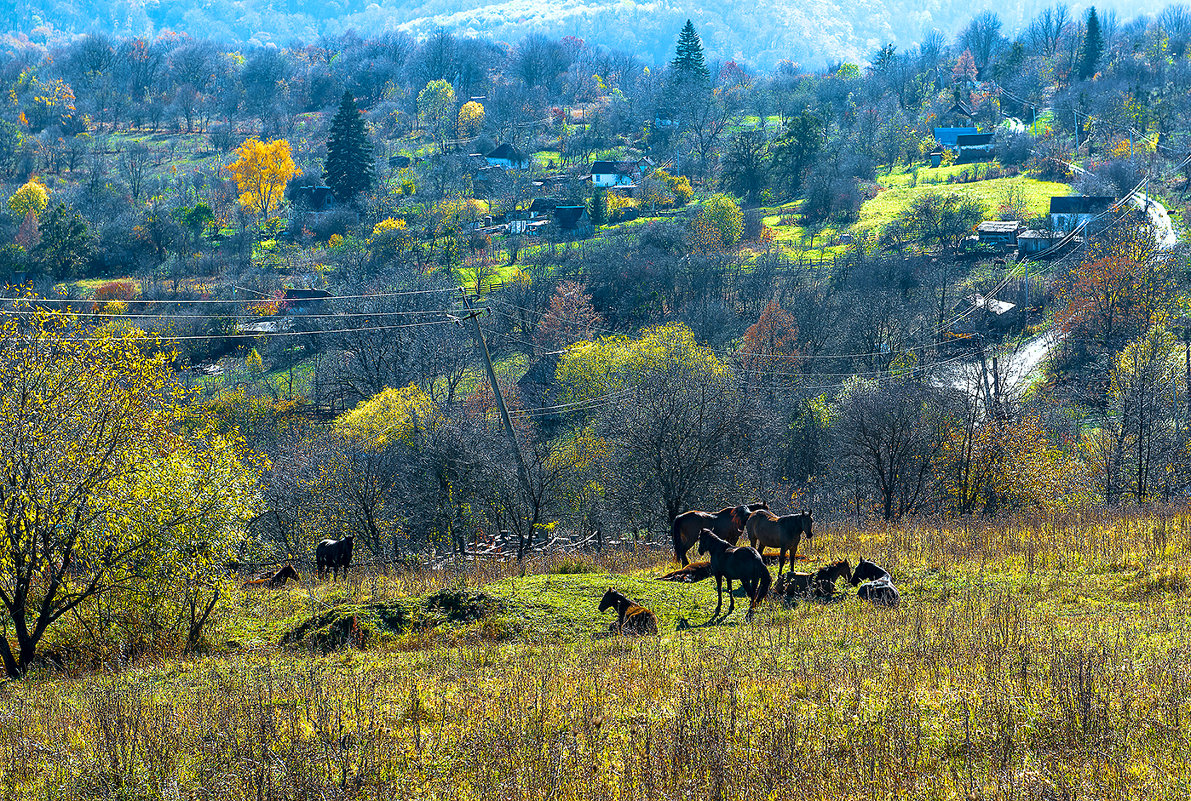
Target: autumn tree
{"points": [[101, 491], [746, 165], [261, 170], [719, 224], [771, 343], [65, 245], [471, 118], [31, 197], [349, 169], [436, 110], [569, 319]]}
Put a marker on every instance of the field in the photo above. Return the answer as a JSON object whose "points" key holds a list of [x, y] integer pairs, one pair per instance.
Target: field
{"points": [[1029, 660]]}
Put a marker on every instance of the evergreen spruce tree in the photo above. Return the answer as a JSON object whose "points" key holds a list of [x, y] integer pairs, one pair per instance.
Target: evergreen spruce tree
{"points": [[688, 54], [349, 169], [598, 210], [1093, 46]]}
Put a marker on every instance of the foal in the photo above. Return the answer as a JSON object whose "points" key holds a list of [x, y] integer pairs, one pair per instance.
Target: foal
{"points": [[632, 618], [743, 564]]}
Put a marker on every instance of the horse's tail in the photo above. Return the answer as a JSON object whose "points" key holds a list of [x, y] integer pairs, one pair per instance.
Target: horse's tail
{"points": [[680, 545], [763, 586]]}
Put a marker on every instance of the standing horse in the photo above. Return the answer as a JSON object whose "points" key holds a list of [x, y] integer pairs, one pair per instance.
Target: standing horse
{"points": [[743, 564], [632, 618], [334, 555], [727, 524], [765, 529]]}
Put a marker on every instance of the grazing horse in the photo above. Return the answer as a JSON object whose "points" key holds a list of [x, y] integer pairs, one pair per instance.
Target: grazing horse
{"points": [[765, 529], [727, 524], [632, 618], [274, 580], [334, 555], [743, 564], [819, 585], [880, 592], [868, 571]]}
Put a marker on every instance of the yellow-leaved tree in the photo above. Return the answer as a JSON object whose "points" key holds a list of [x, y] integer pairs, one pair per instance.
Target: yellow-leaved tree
{"points": [[392, 415], [262, 170], [104, 493], [31, 197], [471, 118]]}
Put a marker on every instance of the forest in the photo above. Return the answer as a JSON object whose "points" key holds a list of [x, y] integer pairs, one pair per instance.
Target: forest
{"points": [[497, 316]]}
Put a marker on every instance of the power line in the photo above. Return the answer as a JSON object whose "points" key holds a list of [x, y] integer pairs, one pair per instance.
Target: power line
{"points": [[195, 301], [188, 337]]}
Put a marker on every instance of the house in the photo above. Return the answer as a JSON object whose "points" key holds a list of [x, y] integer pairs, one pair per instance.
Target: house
{"points": [[542, 207], [1072, 211], [314, 198], [400, 162], [997, 232], [508, 157], [958, 115], [573, 219], [946, 137], [306, 301], [616, 173], [1033, 242], [974, 147]]}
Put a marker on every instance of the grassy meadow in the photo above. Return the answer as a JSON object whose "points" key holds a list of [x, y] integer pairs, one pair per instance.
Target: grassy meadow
{"points": [[1028, 660]]}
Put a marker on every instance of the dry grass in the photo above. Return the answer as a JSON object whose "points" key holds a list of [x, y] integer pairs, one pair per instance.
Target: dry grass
{"points": [[1029, 660]]}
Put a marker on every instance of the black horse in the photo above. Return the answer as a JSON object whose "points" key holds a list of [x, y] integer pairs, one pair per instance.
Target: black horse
{"points": [[632, 618], [868, 571], [743, 564], [333, 556]]}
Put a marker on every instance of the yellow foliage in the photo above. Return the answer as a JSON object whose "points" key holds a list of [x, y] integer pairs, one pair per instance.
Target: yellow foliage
{"points": [[32, 197], [261, 170], [390, 415], [471, 118]]}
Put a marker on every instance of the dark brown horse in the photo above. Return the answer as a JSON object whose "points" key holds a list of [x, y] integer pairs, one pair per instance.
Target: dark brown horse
{"points": [[868, 571], [333, 556], [819, 585], [727, 524], [695, 571], [767, 530], [274, 580], [632, 618], [742, 564]]}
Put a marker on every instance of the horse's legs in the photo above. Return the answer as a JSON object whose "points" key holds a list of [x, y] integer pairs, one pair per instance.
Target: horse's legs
{"points": [[781, 560], [731, 597], [719, 588]]}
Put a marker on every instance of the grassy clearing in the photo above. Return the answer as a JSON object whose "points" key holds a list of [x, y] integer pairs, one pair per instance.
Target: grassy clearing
{"points": [[1029, 660], [898, 193]]}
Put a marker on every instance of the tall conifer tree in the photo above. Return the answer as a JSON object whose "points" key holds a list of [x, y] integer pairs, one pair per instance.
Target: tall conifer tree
{"points": [[349, 168], [1093, 46], [688, 54]]}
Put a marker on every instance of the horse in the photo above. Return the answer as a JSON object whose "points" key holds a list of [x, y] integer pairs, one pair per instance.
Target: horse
{"points": [[274, 580], [727, 524], [765, 529], [868, 571], [695, 571], [334, 555], [632, 618], [819, 585], [729, 562], [880, 592]]}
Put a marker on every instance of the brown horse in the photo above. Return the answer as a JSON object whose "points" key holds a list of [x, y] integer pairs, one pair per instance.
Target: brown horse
{"points": [[743, 564], [767, 530], [727, 524], [695, 571], [819, 585], [632, 618], [274, 580]]}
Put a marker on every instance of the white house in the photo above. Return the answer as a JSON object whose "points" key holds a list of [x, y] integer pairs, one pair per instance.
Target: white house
{"points": [[614, 173]]}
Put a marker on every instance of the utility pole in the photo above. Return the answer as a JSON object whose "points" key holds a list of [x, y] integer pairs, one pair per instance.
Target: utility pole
{"points": [[482, 345]]}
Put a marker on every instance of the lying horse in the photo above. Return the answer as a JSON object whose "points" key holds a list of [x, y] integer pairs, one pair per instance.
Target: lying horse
{"points": [[695, 571], [632, 618], [880, 592], [868, 571], [274, 580], [727, 524], [819, 585], [333, 556], [743, 564], [765, 529]]}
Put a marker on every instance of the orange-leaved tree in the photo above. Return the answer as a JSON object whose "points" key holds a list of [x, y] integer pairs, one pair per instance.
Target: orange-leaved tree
{"points": [[262, 170], [771, 343], [571, 317]]}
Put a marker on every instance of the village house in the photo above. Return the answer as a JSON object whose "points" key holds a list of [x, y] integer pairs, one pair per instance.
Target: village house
{"points": [[1002, 233], [573, 220], [508, 157], [974, 147], [1032, 242], [1072, 211], [618, 173]]}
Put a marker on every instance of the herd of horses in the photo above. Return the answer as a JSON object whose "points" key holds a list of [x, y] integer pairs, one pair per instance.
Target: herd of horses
{"points": [[717, 535]]}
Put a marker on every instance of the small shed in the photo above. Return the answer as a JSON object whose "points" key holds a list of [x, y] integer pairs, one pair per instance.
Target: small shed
{"points": [[542, 207], [999, 232], [985, 313], [315, 198], [1032, 242], [573, 219], [974, 147], [306, 301]]}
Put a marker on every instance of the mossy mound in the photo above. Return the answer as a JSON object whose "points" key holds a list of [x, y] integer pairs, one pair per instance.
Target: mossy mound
{"points": [[359, 625]]}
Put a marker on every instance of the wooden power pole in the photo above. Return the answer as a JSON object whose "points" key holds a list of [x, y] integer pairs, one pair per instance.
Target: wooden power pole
{"points": [[482, 345]]}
